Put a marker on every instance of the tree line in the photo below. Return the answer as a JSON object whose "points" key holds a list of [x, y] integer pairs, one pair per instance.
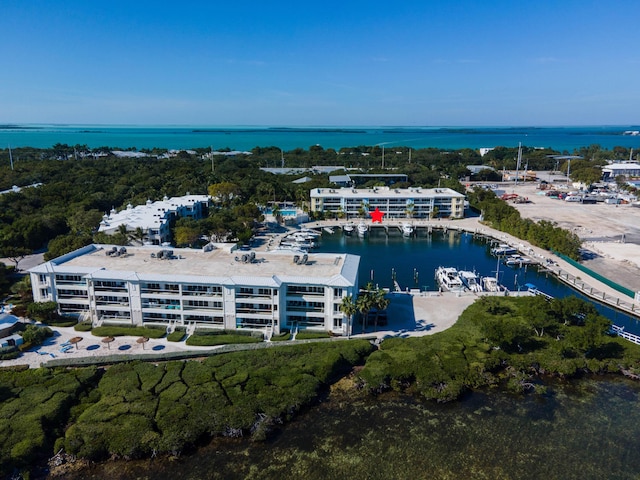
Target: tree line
{"points": [[79, 185]]}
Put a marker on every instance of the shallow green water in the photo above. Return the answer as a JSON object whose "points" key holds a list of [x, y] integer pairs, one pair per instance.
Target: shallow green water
{"points": [[585, 430]]}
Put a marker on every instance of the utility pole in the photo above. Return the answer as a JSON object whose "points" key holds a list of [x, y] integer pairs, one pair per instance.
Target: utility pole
{"points": [[10, 157], [519, 160], [383, 157]]}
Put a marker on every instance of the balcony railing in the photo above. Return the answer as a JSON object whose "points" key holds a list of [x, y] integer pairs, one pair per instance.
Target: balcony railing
{"points": [[252, 295], [259, 311], [188, 293], [160, 291], [107, 303], [306, 309], [203, 307]]}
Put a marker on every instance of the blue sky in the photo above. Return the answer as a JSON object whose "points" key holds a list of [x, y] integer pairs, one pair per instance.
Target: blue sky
{"points": [[320, 63]]}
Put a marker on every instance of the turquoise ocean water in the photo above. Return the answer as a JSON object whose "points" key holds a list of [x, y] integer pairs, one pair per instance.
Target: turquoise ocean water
{"points": [[245, 138]]}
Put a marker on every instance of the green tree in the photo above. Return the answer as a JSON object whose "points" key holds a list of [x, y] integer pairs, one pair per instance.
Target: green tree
{"points": [[537, 312], [349, 308], [84, 222], [364, 305], [15, 254], [508, 335], [23, 289], [223, 192], [36, 335], [187, 232], [380, 303], [43, 311]]}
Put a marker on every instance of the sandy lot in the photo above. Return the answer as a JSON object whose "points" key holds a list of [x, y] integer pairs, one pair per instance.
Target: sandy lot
{"points": [[610, 233]]}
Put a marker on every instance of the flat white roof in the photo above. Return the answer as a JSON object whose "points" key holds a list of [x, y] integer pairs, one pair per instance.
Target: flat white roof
{"points": [[218, 266], [149, 215], [385, 192], [622, 166]]}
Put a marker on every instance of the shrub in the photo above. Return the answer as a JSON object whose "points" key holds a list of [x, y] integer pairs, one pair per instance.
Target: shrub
{"points": [[83, 327], [200, 340], [63, 321], [311, 335], [9, 353], [119, 331], [283, 337], [42, 311], [36, 335], [176, 336]]}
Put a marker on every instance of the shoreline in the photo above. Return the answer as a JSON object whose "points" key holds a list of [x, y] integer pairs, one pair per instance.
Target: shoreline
{"points": [[426, 313]]}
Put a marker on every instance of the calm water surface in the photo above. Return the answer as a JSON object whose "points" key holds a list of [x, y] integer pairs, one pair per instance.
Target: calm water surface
{"points": [[413, 261], [246, 138], [583, 430], [587, 429]]}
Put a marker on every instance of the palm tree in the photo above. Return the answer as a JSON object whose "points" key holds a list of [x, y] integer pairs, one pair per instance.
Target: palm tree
{"points": [[276, 214], [380, 302], [349, 308], [138, 235], [364, 303], [363, 210]]}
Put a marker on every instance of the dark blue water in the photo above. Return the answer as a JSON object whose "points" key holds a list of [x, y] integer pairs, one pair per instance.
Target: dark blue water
{"points": [[412, 262], [246, 138]]}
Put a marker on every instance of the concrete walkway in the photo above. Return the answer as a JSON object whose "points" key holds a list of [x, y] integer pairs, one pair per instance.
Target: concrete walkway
{"points": [[569, 274]]}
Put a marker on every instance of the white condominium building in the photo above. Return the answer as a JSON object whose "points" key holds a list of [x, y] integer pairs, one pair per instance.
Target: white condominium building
{"points": [[219, 288], [154, 217], [412, 202]]}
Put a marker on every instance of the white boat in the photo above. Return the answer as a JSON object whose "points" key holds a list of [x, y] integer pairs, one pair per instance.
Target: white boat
{"points": [[407, 229], [471, 280], [490, 284], [348, 228], [362, 229], [300, 238], [518, 261], [448, 279], [310, 232], [503, 249], [292, 248]]}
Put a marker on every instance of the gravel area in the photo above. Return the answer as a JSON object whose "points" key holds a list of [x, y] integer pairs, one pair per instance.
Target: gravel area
{"points": [[610, 233]]}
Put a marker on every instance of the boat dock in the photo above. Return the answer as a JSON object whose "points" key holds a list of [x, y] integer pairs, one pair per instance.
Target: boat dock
{"points": [[543, 259]]}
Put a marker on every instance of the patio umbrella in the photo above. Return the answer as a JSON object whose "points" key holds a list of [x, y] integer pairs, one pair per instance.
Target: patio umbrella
{"points": [[142, 340], [75, 341], [108, 341]]}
